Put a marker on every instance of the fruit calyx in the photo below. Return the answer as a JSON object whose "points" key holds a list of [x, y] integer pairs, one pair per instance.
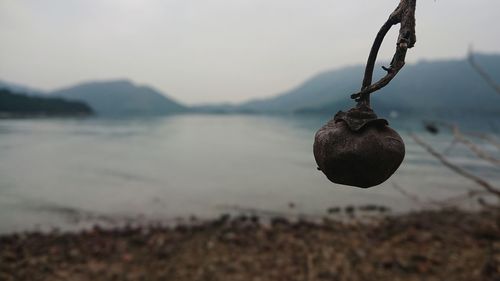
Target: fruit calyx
{"points": [[358, 117]]}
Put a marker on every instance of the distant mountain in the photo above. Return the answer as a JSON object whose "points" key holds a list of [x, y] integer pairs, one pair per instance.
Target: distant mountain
{"points": [[121, 98], [21, 105], [440, 87], [446, 86], [17, 88]]}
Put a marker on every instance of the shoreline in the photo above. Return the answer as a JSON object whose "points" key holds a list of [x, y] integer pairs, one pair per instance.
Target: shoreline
{"points": [[446, 244], [79, 220]]}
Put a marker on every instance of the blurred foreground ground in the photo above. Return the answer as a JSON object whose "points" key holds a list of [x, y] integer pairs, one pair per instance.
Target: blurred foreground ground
{"points": [[429, 245]]}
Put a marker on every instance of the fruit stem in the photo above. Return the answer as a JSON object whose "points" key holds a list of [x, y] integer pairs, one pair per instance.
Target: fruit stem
{"points": [[405, 15]]}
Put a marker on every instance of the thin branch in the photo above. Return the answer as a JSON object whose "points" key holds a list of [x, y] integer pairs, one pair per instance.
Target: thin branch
{"points": [[472, 147], [405, 15], [407, 194], [483, 73], [484, 137], [440, 203], [452, 144], [461, 197], [460, 137], [456, 168]]}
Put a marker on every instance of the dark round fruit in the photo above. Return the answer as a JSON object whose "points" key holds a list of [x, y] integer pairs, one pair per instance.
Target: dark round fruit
{"points": [[362, 158]]}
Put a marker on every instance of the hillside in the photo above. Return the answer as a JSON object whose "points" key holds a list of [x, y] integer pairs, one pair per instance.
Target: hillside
{"points": [[121, 97], [18, 88], [440, 87], [21, 105], [425, 87]]}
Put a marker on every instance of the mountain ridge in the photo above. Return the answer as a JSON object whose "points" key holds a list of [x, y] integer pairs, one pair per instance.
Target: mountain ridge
{"points": [[114, 97], [420, 87], [445, 85], [121, 97], [14, 105]]}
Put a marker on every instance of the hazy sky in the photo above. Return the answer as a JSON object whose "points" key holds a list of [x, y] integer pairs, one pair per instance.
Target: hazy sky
{"points": [[201, 51]]}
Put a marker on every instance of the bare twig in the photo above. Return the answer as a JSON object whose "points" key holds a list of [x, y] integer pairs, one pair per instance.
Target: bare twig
{"points": [[484, 137], [452, 144], [407, 194], [483, 73], [405, 15], [461, 197], [486, 185], [459, 136], [472, 147], [440, 203]]}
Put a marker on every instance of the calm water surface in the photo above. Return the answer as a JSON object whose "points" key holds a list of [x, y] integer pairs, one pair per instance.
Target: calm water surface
{"points": [[54, 173]]}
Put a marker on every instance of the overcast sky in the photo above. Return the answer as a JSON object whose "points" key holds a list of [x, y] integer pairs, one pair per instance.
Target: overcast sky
{"points": [[200, 51]]}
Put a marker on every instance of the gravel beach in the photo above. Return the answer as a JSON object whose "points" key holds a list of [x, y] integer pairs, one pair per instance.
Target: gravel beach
{"points": [[446, 244]]}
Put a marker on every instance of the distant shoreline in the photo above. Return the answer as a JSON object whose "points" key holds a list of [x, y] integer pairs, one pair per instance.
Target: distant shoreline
{"points": [[7, 115], [20, 105]]}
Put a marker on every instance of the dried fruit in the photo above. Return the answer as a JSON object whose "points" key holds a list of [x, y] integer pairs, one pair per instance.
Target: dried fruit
{"points": [[358, 149]]}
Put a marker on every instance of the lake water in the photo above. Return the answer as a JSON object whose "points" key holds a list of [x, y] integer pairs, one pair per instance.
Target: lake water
{"points": [[57, 172]]}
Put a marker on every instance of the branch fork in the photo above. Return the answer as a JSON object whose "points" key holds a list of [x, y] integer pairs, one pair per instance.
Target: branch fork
{"points": [[404, 14]]}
